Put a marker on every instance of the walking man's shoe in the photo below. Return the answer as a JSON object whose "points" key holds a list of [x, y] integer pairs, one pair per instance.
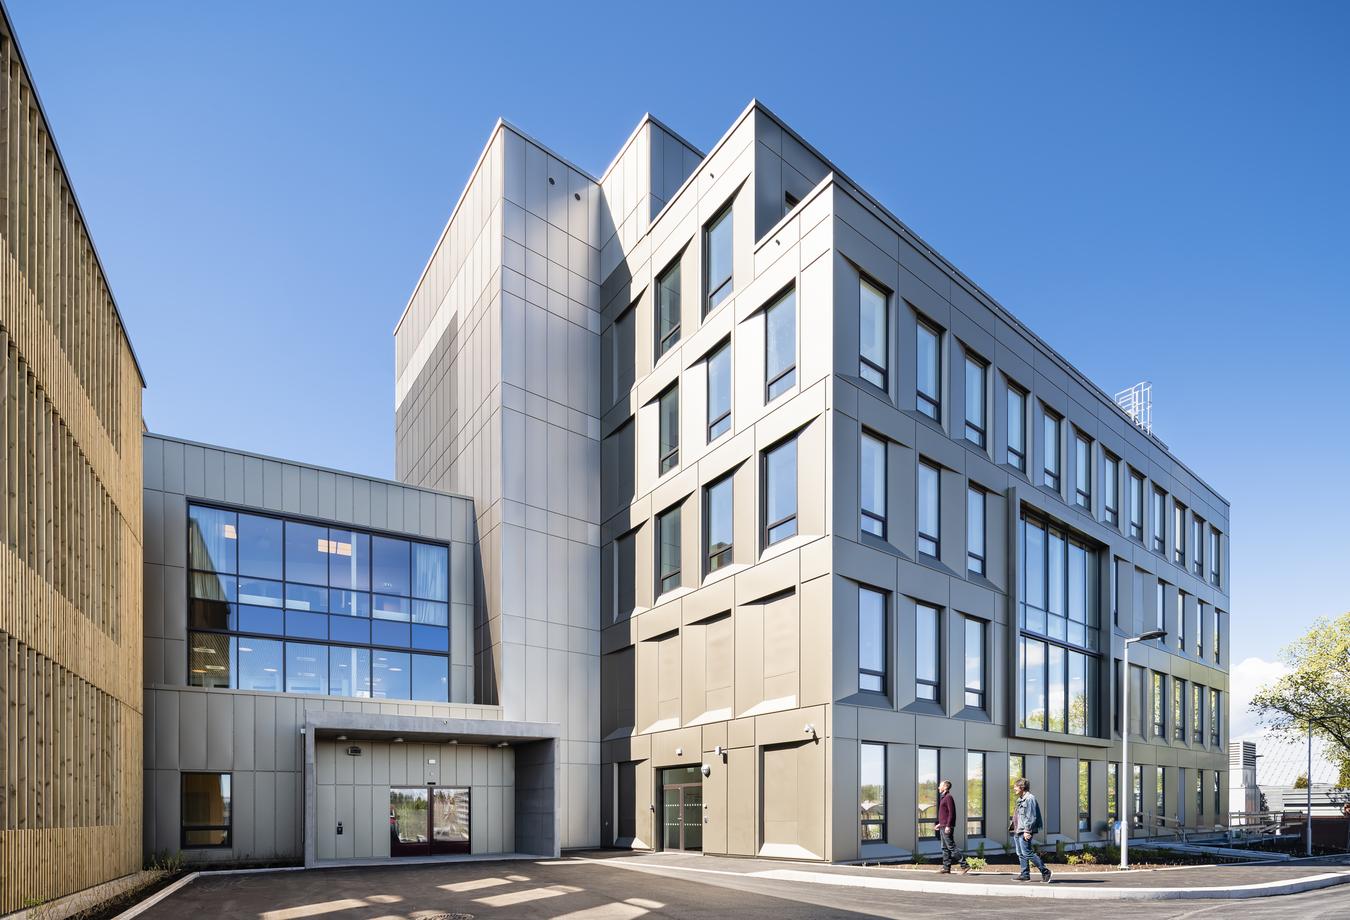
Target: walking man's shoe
{"points": [[1024, 878], [964, 868], [945, 870], [1045, 876]]}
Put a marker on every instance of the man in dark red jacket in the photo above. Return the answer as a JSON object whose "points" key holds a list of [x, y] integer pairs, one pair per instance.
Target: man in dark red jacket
{"points": [[946, 827]]}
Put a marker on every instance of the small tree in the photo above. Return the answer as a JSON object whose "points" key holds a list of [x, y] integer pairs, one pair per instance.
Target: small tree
{"points": [[1315, 694], [1301, 781]]}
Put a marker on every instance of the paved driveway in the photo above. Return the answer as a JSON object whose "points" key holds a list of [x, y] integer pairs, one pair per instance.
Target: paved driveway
{"points": [[606, 887]]}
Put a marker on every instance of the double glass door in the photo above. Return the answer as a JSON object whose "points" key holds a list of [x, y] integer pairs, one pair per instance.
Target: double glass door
{"points": [[428, 820], [682, 809]]}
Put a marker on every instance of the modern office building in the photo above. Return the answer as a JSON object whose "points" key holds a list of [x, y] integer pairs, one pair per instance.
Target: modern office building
{"points": [[800, 515], [70, 529]]}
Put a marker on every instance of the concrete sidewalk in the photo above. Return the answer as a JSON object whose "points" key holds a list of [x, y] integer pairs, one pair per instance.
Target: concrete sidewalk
{"points": [[1223, 882]]}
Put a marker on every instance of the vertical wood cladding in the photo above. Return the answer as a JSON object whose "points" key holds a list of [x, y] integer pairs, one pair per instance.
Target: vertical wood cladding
{"points": [[70, 532]]}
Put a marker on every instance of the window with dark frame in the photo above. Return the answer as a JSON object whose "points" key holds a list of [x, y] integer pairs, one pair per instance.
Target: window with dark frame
{"points": [[975, 531], [925, 792], [873, 334], [975, 794], [1179, 533], [1197, 714], [718, 259], [976, 425], [1218, 786], [1137, 819], [780, 346], [872, 485], [929, 530], [1158, 706], [719, 391], [1178, 709], [1181, 620], [1017, 428], [871, 792], [1111, 481], [927, 653], [872, 633], [1215, 546], [1084, 795], [717, 528], [790, 201], [668, 542], [780, 491], [668, 410], [1160, 788], [1199, 628], [1160, 607], [1059, 635], [1051, 424], [668, 308], [1113, 792], [974, 660], [1082, 458], [1159, 520], [1215, 718], [1199, 793], [205, 819], [1198, 544], [928, 371], [1136, 506], [279, 604], [1218, 635]]}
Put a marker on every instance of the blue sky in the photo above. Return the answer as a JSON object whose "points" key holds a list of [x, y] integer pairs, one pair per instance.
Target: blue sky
{"points": [[1159, 190]]}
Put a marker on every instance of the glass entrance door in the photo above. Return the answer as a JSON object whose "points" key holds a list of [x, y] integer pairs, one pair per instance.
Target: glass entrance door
{"points": [[428, 820], [682, 809], [450, 820]]}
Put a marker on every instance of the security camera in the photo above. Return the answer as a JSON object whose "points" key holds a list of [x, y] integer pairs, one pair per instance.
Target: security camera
{"points": [[809, 729], [705, 770]]}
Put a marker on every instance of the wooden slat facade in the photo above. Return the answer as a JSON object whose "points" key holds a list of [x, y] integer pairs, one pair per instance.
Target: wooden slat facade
{"points": [[70, 532]]}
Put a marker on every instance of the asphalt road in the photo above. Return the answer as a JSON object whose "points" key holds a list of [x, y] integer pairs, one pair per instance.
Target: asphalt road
{"points": [[602, 890]]}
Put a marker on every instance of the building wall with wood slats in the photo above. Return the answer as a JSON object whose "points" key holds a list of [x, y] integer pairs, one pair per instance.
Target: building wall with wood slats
{"points": [[70, 532]]}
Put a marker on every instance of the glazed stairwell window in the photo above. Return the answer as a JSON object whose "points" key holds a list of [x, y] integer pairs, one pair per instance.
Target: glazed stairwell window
{"points": [[669, 413], [1050, 431], [719, 392], [668, 543], [872, 485], [668, 308], [780, 491], [1017, 428], [976, 425], [780, 346], [928, 371], [929, 530], [872, 638], [718, 533]]}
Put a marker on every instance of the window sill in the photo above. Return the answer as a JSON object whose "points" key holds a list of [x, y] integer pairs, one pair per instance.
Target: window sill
{"points": [[972, 714], [933, 562], [869, 698], [879, 543], [925, 707]]}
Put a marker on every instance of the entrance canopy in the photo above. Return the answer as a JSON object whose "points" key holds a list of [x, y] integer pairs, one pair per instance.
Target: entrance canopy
{"points": [[534, 746]]}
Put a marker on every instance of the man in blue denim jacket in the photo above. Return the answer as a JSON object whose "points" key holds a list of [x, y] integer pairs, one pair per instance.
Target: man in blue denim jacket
{"points": [[1026, 823]]}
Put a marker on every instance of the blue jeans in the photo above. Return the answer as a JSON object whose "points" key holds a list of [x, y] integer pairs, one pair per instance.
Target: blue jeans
{"points": [[1026, 851]]}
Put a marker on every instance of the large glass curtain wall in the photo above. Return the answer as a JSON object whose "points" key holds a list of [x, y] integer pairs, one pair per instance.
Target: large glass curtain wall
{"points": [[289, 606], [1059, 631]]}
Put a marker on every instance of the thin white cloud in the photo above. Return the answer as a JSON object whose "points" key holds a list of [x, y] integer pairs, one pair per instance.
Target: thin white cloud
{"points": [[1245, 679]]}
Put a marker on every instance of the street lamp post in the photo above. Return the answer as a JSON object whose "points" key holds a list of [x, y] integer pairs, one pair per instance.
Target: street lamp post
{"points": [[1125, 741]]}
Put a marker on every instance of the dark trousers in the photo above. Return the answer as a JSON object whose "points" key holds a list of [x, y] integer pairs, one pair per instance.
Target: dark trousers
{"points": [[951, 853]]}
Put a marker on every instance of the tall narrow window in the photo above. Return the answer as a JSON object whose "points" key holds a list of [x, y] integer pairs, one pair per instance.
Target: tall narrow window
{"points": [[717, 250], [669, 410], [668, 539], [717, 541], [780, 492], [1159, 702], [1160, 792], [873, 335], [1113, 792], [925, 797], [1200, 628], [872, 485], [1181, 620], [872, 792], [974, 794], [1050, 449], [871, 640], [780, 346], [668, 308], [1138, 800], [1215, 718], [1113, 575], [1160, 606], [205, 816], [1178, 709], [1179, 533], [975, 542], [1218, 635], [1215, 560], [974, 663], [1197, 714], [1159, 521], [1198, 545], [929, 529], [1082, 471], [1218, 784], [1017, 428], [1017, 769], [1111, 482], [1136, 506], [928, 372], [719, 392], [1199, 794], [975, 413], [927, 652], [1084, 795]]}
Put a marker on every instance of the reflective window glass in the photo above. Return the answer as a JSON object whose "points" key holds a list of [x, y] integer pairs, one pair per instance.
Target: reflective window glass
{"points": [[391, 568], [389, 677], [210, 660], [718, 544], [390, 608], [780, 365], [668, 411], [928, 369], [873, 341], [349, 671], [871, 640], [430, 678], [668, 308], [431, 572], [259, 546], [260, 593], [260, 665], [306, 553], [929, 530], [718, 248], [719, 392], [349, 603], [306, 597], [349, 560], [430, 613], [872, 485], [306, 668], [212, 539], [780, 475]]}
